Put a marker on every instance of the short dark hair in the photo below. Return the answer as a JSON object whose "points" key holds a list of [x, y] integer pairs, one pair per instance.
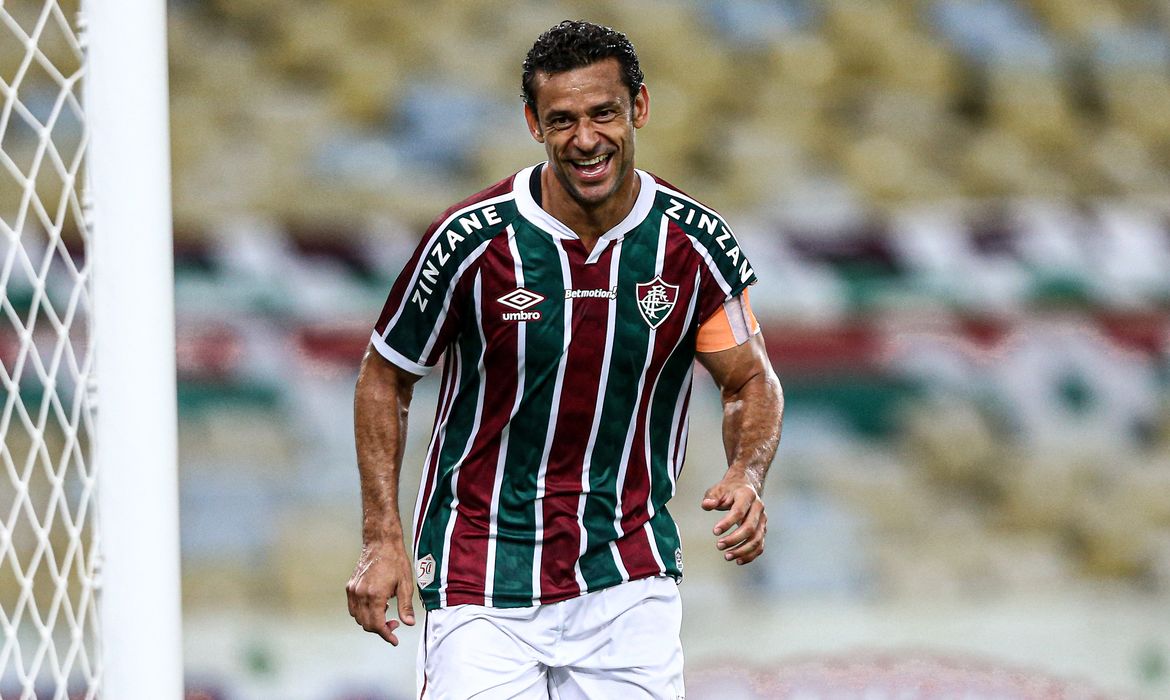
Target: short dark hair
{"points": [[576, 44]]}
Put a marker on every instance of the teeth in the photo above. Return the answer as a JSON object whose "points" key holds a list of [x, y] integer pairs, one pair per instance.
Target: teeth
{"points": [[591, 161]]}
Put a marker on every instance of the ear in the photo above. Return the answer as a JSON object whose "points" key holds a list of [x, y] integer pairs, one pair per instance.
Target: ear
{"points": [[642, 107], [533, 123]]}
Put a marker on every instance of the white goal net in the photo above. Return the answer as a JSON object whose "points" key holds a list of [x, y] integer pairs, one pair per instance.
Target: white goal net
{"points": [[85, 244], [48, 553]]}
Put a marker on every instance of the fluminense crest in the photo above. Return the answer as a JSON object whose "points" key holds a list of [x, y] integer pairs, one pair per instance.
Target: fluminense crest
{"points": [[656, 300]]}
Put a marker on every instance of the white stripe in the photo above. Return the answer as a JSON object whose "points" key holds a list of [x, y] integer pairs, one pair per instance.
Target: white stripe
{"points": [[680, 449], [397, 358], [653, 542], [438, 443], [502, 457], [678, 445], [554, 412], [614, 264], [624, 464], [674, 465], [443, 411], [650, 406], [660, 254], [659, 263], [617, 559], [706, 255], [440, 230], [475, 300], [468, 262]]}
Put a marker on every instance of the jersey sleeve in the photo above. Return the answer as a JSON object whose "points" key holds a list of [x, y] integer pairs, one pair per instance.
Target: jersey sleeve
{"points": [[422, 313], [724, 271]]}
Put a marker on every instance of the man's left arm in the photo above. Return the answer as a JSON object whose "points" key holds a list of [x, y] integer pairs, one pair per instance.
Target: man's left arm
{"points": [[753, 408]]}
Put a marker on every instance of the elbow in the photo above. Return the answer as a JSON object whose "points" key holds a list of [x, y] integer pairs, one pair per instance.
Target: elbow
{"points": [[380, 381], [776, 390]]}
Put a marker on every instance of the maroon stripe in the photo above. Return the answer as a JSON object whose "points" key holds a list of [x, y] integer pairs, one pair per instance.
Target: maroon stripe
{"points": [[634, 549], [468, 556], [634, 545], [467, 566], [453, 320], [636, 489], [446, 400], [680, 449], [586, 353]]}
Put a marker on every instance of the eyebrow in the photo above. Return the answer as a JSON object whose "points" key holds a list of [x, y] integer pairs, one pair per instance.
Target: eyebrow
{"points": [[608, 104]]}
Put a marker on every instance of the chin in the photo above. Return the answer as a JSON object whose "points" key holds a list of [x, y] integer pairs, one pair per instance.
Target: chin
{"points": [[595, 196]]}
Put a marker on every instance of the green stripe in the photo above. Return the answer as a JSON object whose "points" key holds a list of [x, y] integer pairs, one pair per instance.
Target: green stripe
{"points": [[544, 346], [628, 357], [671, 383], [459, 427]]}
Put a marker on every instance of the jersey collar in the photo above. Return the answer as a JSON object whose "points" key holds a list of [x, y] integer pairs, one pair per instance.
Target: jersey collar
{"points": [[531, 210]]}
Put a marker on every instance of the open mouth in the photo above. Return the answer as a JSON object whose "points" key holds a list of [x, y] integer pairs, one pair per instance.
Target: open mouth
{"points": [[591, 168]]}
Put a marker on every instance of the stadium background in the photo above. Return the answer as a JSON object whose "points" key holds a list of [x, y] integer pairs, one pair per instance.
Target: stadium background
{"points": [[959, 213]]}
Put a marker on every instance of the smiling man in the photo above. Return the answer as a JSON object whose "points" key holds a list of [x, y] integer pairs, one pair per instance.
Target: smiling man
{"points": [[569, 303]]}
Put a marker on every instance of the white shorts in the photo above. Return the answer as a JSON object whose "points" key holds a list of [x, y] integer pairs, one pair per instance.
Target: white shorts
{"points": [[620, 642]]}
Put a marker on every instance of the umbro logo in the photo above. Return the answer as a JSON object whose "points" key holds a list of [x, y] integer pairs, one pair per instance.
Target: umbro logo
{"points": [[521, 300]]}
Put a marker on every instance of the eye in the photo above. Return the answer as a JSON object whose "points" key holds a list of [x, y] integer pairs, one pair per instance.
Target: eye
{"points": [[605, 115], [559, 122]]}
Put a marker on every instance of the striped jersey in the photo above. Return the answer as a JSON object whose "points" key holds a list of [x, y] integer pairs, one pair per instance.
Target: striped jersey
{"points": [[562, 416]]}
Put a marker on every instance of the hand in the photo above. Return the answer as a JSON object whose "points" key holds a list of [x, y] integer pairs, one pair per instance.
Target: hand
{"points": [[744, 527], [382, 572]]}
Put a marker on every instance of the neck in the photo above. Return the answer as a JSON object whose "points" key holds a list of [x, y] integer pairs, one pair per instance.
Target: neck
{"points": [[589, 222]]}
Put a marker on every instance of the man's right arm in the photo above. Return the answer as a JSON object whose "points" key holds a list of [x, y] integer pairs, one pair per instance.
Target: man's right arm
{"points": [[384, 570]]}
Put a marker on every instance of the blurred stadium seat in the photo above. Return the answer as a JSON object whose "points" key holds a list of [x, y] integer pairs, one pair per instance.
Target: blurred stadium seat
{"points": [[963, 208]]}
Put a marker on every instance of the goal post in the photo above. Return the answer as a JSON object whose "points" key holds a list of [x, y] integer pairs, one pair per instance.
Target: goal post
{"points": [[133, 292], [89, 546]]}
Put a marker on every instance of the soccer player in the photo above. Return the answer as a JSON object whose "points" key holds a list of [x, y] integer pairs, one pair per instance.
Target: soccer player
{"points": [[569, 302]]}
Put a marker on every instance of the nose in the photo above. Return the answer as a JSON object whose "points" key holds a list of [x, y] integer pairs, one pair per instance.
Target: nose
{"points": [[586, 137]]}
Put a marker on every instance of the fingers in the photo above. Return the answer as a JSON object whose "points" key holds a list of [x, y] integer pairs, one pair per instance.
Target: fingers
{"points": [[406, 601], [741, 501], [747, 542], [385, 631], [745, 526], [746, 529], [716, 498], [368, 605]]}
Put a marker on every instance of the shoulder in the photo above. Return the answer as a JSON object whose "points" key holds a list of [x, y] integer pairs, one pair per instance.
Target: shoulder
{"points": [[692, 216], [488, 211], [709, 234]]}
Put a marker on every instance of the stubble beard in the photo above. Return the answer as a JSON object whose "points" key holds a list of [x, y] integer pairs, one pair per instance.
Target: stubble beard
{"points": [[596, 202]]}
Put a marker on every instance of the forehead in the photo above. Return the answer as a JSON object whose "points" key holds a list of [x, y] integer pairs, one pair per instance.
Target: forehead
{"points": [[580, 87]]}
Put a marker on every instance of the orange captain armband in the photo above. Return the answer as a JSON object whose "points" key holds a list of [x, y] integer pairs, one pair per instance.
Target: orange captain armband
{"points": [[733, 324]]}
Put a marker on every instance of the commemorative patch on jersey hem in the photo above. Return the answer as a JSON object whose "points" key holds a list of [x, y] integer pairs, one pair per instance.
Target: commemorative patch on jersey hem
{"points": [[656, 300], [425, 571], [521, 300]]}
